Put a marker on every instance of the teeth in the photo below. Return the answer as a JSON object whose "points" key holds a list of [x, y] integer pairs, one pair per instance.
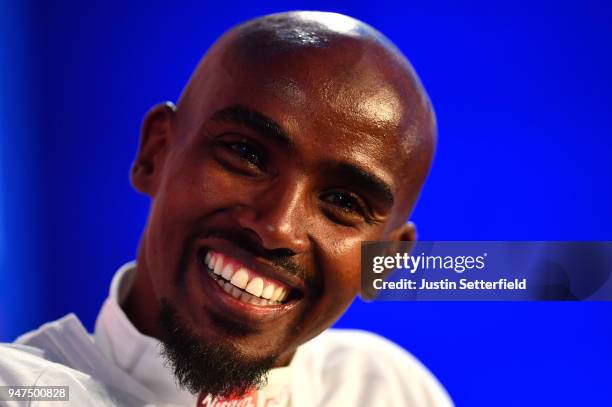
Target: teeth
{"points": [[278, 292], [211, 261], [255, 287], [240, 279], [228, 272], [218, 264], [245, 297], [235, 292], [241, 295], [268, 292], [233, 282], [217, 271]]}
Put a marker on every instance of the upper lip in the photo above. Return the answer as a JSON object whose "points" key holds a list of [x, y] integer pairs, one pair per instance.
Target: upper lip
{"points": [[257, 264]]}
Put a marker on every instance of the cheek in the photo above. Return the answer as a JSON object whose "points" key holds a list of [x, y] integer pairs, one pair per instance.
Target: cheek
{"points": [[341, 283], [345, 255], [190, 190], [194, 186], [340, 258], [342, 275]]}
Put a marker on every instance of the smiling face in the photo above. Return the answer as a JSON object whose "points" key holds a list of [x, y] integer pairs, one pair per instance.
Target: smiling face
{"points": [[264, 182]]}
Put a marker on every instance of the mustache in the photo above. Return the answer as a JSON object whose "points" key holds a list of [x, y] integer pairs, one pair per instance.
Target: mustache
{"points": [[281, 258]]}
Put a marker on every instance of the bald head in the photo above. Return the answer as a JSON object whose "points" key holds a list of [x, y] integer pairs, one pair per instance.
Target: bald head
{"points": [[304, 59]]}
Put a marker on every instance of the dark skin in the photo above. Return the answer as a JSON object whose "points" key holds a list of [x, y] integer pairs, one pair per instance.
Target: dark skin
{"points": [[352, 141]]}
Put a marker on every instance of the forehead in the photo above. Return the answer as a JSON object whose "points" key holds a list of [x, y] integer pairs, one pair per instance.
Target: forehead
{"points": [[345, 81], [334, 103]]}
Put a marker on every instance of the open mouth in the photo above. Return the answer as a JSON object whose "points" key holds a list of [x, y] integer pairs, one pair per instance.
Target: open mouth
{"points": [[245, 284]]}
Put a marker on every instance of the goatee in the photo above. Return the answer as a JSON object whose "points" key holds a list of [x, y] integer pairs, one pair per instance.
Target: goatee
{"points": [[204, 367]]}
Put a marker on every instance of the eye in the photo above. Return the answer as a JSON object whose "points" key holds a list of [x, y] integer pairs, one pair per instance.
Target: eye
{"points": [[343, 200], [344, 207], [247, 152], [240, 155]]}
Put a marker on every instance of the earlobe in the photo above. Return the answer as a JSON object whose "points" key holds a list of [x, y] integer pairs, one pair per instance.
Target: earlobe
{"points": [[156, 134]]}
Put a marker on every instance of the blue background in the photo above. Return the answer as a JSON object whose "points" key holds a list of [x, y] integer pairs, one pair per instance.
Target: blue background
{"points": [[522, 93]]}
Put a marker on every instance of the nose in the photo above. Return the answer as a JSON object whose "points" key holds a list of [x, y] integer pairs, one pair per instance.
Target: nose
{"points": [[278, 217]]}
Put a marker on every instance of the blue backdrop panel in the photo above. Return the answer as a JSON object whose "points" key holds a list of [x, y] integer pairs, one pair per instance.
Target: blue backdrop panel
{"points": [[521, 91]]}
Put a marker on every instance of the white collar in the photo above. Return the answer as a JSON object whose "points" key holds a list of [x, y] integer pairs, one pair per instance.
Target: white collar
{"points": [[133, 352]]}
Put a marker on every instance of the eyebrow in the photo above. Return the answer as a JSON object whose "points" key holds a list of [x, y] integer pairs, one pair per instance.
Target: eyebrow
{"points": [[256, 121], [368, 181]]}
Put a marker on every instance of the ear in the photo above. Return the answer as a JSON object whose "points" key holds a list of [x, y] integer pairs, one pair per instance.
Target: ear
{"points": [[401, 240], [406, 232], [155, 136]]}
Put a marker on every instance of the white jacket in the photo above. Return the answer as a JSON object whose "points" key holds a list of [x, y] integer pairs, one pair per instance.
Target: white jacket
{"points": [[119, 366]]}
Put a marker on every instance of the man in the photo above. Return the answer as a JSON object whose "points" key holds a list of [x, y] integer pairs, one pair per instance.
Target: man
{"points": [[298, 136]]}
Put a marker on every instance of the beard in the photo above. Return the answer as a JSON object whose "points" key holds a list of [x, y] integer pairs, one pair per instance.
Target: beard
{"points": [[205, 367]]}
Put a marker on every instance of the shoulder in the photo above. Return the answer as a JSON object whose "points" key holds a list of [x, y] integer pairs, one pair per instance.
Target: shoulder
{"points": [[22, 365], [57, 355], [44, 354], [369, 350], [353, 340], [370, 365]]}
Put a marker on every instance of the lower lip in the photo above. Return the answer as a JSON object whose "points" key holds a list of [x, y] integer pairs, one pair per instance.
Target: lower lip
{"points": [[246, 312]]}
